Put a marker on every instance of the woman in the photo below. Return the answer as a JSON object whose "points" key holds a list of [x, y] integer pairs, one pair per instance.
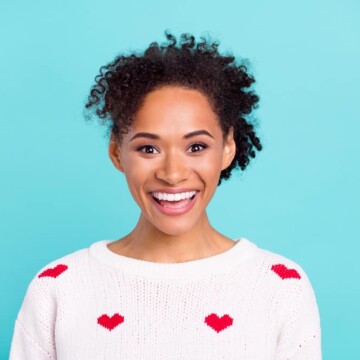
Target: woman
{"points": [[174, 287]]}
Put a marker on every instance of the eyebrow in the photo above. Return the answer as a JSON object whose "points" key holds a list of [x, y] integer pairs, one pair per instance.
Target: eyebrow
{"points": [[156, 137]]}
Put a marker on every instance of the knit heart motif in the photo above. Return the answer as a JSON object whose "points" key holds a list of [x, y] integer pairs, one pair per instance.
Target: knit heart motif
{"points": [[110, 323], [285, 273], [53, 272], [218, 323]]}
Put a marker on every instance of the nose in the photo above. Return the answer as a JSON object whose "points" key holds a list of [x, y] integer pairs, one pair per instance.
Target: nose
{"points": [[173, 169]]}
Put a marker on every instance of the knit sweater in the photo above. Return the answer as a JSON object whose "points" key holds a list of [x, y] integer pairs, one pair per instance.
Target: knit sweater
{"points": [[245, 303]]}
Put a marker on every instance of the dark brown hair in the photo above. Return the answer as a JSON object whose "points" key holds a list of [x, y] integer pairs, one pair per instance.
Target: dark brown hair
{"points": [[122, 85]]}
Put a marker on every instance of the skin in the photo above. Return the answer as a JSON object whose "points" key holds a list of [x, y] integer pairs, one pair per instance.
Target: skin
{"points": [[171, 162]]}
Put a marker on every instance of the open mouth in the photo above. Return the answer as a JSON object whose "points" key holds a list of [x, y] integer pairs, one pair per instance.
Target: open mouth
{"points": [[174, 201]]}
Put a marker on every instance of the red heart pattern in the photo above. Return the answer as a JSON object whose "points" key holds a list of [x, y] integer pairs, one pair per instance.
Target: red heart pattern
{"points": [[213, 320], [285, 273], [53, 272], [110, 323], [217, 323]]}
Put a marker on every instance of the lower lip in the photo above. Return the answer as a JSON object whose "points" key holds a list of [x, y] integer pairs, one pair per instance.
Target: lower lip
{"points": [[175, 211]]}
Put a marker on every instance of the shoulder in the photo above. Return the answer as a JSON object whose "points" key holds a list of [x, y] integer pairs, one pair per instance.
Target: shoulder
{"points": [[298, 312], [279, 273], [283, 267], [58, 268], [63, 271], [285, 282]]}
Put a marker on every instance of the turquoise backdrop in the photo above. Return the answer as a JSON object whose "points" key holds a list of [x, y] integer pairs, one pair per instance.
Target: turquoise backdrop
{"points": [[300, 197]]}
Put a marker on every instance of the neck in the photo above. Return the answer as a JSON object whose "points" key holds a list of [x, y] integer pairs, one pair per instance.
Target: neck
{"points": [[148, 243]]}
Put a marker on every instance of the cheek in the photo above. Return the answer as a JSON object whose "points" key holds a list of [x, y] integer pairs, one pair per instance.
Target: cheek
{"points": [[137, 174], [209, 170], [132, 176], [212, 163]]}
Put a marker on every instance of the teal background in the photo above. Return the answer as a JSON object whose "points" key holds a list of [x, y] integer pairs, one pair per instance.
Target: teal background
{"points": [[299, 197]]}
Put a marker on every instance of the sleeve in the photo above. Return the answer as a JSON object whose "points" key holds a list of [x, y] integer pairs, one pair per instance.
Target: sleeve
{"points": [[33, 336], [300, 334]]}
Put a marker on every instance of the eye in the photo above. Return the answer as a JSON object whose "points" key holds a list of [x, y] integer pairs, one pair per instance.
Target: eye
{"points": [[147, 149], [197, 147]]}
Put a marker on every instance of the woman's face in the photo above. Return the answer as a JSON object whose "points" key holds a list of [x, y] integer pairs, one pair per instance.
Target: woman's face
{"points": [[172, 158]]}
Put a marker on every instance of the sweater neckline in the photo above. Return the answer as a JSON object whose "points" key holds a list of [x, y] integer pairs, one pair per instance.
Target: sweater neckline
{"points": [[213, 265]]}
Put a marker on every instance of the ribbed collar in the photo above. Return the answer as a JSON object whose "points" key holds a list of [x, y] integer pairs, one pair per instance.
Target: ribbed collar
{"points": [[213, 265]]}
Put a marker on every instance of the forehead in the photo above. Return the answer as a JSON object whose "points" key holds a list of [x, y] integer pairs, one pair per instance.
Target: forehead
{"points": [[173, 107]]}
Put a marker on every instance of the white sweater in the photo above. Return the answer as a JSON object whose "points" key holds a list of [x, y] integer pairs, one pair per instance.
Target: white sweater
{"points": [[245, 303]]}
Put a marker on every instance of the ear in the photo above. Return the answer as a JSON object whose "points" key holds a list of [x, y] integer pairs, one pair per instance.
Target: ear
{"points": [[114, 153], [229, 149]]}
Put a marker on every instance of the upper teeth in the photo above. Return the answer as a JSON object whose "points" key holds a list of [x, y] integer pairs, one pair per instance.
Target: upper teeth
{"points": [[173, 197]]}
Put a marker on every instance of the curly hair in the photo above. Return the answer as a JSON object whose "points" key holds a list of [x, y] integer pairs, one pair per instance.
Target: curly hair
{"points": [[122, 85]]}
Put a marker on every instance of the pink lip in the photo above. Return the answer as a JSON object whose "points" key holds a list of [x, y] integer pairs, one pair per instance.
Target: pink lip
{"points": [[173, 190], [174, 211]]}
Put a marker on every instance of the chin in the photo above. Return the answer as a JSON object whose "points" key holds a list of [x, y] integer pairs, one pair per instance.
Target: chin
{"points": [[174, 228]]}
